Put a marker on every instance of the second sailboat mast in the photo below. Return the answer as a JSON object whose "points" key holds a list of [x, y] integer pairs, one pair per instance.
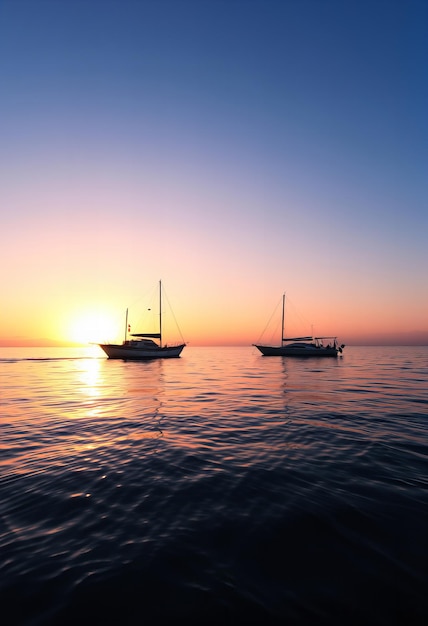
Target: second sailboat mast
{"points": [[160, 313]]}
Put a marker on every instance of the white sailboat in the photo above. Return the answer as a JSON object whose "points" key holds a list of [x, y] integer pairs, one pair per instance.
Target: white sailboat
{"points": [[142, 346], [301, 346]]}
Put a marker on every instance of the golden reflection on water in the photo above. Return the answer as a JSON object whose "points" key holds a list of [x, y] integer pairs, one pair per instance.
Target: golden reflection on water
{"points": [[90, 377], [78, 411]]}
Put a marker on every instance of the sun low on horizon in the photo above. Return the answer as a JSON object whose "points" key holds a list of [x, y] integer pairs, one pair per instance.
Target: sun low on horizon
{"points": [[87, 326]]}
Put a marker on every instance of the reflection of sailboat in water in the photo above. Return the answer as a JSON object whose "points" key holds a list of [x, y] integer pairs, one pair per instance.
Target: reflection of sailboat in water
{"points": [[142, 346], [301, 346]]}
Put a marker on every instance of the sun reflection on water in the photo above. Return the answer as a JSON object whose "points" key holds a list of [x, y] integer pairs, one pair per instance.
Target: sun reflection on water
{"points": [[90, 377]]}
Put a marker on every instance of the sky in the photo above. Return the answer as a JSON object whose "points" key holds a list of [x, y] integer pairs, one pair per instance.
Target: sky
{"points": [[234, 149]]}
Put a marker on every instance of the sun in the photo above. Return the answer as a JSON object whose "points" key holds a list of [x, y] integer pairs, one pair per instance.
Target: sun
{"points": [[91, 327]]}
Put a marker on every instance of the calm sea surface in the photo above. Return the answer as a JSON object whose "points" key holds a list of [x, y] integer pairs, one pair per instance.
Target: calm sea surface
{"points": [[219, 488]]}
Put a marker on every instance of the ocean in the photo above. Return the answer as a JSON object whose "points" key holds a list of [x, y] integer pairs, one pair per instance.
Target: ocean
{"points": [[222, 487]]}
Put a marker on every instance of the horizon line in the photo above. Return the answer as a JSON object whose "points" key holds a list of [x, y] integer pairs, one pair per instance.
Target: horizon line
{"points": [[70, 344]]}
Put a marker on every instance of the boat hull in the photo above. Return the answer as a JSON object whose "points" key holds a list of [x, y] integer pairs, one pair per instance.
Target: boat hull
{"points": [[300, 352], [133, 353]]}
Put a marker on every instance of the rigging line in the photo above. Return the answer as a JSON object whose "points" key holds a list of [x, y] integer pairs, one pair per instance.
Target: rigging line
{"points": [[147, 297], [172, 312], [295, 311], [270, 320]]}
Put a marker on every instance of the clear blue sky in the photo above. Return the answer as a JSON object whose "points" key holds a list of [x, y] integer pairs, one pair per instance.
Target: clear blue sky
{"points": [[235, 149]]}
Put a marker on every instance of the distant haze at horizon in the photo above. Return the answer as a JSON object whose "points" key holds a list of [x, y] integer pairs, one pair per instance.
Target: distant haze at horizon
{"points": [[404, 339]]}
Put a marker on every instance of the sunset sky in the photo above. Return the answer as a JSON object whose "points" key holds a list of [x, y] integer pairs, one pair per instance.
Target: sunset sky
{"points": [[235, 149]]}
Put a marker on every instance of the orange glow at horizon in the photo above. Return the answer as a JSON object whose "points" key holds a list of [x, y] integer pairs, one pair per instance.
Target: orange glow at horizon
{"points": [[89, 327], [209, 318]]}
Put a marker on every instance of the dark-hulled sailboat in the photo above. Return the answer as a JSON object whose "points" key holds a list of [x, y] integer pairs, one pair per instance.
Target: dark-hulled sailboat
{"points": [[142, 346], [301, 346]]}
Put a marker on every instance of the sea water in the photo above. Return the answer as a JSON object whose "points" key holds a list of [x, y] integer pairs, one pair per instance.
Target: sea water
{"points": [[222, 487]]}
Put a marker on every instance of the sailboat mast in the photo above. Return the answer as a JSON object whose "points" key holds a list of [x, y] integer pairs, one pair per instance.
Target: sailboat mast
{"points": [[126, 325], [282, 322], [160, 313]]}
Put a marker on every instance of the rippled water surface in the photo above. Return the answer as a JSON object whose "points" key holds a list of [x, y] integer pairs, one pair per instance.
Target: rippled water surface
{"points": [[222, 487]]}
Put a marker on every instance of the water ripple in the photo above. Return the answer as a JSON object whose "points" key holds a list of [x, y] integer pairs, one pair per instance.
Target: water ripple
{"points": [[221, 487]]}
